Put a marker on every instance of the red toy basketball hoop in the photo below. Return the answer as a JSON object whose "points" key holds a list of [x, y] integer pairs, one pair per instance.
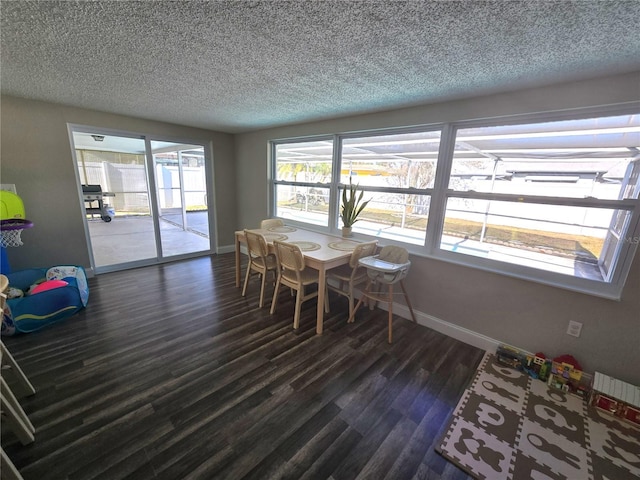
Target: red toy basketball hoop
{"points": [[11, 229]]}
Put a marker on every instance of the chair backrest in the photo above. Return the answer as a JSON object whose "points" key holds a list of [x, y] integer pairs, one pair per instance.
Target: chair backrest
{"points": [[271, 222], [256, 244], [289, 256], [362, 250], [394, 254]]}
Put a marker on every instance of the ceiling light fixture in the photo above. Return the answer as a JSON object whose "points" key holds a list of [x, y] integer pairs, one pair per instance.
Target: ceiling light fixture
{"points": [[98, 138]]}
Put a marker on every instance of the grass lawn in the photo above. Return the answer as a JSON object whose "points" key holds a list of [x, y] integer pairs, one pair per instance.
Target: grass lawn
{"points": [[583, 246]]}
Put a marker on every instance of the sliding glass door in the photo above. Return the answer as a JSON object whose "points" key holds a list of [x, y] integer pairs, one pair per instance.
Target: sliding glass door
{"points": [[181, 188], [145, 200]]}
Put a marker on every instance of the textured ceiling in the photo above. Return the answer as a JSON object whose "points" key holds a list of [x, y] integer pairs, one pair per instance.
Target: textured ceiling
{"points": [[242, 65]]}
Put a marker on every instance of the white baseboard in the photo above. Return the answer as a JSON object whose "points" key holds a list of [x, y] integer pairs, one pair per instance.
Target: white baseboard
{"points": [[226, 249], [450, 329]]}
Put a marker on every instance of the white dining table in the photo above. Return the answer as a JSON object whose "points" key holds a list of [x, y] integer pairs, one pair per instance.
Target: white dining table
{"points": [[321, 252]]}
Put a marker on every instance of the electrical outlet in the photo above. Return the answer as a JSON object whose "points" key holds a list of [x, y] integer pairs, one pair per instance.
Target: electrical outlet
{"points": [[574, 328]]}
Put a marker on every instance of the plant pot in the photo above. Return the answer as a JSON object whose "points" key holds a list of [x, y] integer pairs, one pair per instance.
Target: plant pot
{"points": [[346, 232]]}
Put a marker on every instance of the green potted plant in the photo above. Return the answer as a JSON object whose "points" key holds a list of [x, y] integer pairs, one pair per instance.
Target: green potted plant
{"points": [[352, 206]]}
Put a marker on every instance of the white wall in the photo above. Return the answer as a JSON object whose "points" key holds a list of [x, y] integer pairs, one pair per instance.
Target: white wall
{"points": [[36, 157], [472, 303]]}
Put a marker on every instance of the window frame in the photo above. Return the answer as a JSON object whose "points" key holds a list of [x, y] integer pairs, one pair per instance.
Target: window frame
{"points": [[430, 191], [440, 193], [274, 182]]}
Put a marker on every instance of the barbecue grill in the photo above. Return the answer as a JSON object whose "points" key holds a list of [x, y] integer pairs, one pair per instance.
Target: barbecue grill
{"points": [[94, 193]]}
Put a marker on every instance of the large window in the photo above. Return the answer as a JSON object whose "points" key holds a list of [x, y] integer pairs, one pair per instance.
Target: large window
{"points": [[302, 180], [555, 201], [550, 196], [397, 173]]}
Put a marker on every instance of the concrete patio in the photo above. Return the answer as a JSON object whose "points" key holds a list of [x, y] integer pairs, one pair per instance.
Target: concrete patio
{"points": [[130, 238]]}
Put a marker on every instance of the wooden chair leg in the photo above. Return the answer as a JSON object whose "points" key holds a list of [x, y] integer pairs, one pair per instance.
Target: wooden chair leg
{"points": [[406, 299], [8, 469], [326, 300], [362, 297], [14, 416], [246, 280], [11, 410], [296, 315], [390, 313], [275, 296], [11, 367], [264, 280]]}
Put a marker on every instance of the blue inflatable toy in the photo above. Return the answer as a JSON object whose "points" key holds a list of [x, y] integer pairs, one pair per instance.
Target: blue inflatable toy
{"points": [[38, 297]]}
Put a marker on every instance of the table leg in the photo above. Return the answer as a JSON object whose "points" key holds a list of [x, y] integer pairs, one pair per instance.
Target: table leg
{"points": [[322, 279]]}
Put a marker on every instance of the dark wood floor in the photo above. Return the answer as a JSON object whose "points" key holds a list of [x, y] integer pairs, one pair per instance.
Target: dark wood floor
{"points": [[169, 373]]}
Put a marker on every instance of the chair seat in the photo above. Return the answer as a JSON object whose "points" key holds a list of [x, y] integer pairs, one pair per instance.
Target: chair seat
{"points": [[307, 276], [270, 261]]}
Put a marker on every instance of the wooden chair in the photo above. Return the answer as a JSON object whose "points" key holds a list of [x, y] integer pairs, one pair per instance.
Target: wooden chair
{"points": [[346, 277], [293, 274], [387, 268], [11, 411], [260, 261], [270, 223]]}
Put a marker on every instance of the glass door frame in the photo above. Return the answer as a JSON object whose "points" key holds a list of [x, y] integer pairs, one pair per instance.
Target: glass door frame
{"points": [[153, 185], [152, 193]]}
